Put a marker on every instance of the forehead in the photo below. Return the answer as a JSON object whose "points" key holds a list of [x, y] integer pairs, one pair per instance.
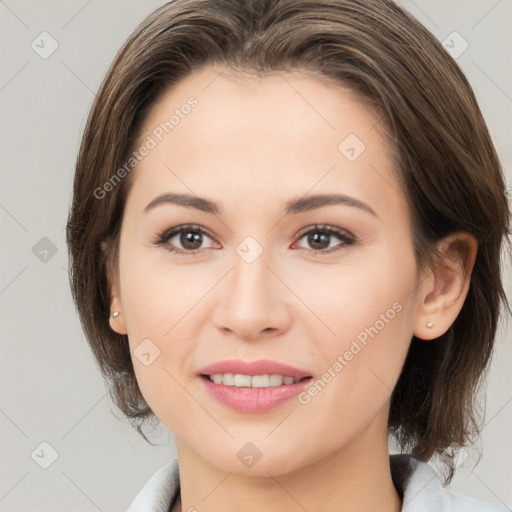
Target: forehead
{"points": [[265, 100], [302, 131]]}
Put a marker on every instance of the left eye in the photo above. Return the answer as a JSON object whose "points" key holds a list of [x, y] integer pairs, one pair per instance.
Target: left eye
{"points": [[319, 237]]}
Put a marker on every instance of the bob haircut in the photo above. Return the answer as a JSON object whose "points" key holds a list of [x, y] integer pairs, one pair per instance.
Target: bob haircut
{"points": [[443, 154]]}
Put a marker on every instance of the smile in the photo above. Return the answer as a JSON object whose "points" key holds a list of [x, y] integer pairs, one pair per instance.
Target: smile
{"points": [[252, 381], [252, 386]]}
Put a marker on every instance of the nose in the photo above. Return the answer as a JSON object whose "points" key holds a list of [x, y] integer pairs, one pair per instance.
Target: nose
{"points": [[253, 302]]}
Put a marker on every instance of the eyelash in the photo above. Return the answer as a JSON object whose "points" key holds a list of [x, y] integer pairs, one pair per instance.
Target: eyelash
{"points": [[347, 239]]}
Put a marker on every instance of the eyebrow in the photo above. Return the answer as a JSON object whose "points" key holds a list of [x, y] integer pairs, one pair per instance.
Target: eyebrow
{"points": [[295, 206]]}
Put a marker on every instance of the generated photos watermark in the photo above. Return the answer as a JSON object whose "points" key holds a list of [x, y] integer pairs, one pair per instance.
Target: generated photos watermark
{"points": [[342, 360], [151, 142]]}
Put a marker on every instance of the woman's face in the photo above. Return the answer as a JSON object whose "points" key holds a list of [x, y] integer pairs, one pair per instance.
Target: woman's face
{"points": [[246, 284]]}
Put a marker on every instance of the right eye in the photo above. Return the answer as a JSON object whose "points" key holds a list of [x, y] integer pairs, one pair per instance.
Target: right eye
{"points": [[189, 236]]}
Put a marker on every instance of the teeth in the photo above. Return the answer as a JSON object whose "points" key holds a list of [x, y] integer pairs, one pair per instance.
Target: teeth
{"points": [[251, 381], [242, 381], [264, 381], [217, 378], [228, 379]]}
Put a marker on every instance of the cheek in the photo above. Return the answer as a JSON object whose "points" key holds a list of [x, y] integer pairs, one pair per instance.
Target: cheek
{"points": [[162, 304], [360, 298], [156, 294], [367, 315]]}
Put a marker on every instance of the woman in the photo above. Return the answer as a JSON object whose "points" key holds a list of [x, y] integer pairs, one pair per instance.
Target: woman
{"points": [[285, 239]]}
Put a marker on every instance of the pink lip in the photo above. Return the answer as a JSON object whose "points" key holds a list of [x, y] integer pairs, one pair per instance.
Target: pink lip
{"points": [[260, 367], [253, 399]]}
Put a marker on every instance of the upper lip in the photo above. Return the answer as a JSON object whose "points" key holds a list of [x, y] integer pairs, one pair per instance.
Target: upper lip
{"points": [[260, 367]]}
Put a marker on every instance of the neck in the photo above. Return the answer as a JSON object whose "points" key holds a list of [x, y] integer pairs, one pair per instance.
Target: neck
{"points": [[353, 478]]}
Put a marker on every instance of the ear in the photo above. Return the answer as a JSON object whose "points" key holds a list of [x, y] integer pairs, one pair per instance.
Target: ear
{"points": [[117, 323], [444, 289]]}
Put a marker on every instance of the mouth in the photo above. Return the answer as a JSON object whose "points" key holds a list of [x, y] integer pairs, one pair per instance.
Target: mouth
{"points": [[253, 386], [253, 381]]}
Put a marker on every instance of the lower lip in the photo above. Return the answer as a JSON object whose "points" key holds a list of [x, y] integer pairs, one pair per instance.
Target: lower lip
{"points": [[253, 399]]}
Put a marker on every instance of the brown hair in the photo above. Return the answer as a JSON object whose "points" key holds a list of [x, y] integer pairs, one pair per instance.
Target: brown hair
{"points": [[445, 158]]}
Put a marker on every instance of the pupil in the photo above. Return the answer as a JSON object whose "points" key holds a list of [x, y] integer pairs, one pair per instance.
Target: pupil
{"points": [[316, 238], [191, 237]]}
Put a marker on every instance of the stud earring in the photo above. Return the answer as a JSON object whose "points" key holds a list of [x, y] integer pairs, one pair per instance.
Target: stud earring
{"points": [[115, 314], [429, 324]]}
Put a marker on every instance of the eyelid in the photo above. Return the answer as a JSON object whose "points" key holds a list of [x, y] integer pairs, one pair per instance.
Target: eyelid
{"points": [[168, 233], [162, 237], [326, 227], [346, 237]]}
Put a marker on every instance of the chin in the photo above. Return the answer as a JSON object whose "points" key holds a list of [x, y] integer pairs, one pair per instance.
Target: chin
{"points": [[256, 458]]}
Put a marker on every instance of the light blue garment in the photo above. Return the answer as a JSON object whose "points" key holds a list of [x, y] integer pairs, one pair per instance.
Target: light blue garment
{"points": [[422, 491]]}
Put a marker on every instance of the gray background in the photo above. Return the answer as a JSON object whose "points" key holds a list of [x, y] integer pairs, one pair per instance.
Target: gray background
{"points": [[51, 390]]}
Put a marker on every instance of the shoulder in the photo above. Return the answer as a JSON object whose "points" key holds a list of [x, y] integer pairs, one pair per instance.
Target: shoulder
{"points": [[159, 492], [423, 491]]}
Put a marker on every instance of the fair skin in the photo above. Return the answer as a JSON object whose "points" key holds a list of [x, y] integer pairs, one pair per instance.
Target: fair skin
{"points": [[251, 146]]}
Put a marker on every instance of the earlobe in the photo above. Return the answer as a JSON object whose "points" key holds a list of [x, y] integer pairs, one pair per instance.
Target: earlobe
{"points": [[117, 323], [116, 318], [442, 293]]}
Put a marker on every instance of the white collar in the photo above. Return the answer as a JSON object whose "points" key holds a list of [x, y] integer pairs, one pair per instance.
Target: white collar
{"points": [[422, 490]]}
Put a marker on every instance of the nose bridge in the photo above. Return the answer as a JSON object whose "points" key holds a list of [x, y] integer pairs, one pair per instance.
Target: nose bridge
{"points": [[251, 280], [253, 302]]}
